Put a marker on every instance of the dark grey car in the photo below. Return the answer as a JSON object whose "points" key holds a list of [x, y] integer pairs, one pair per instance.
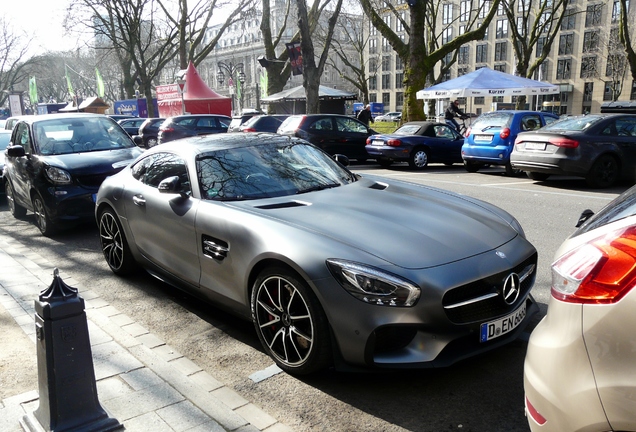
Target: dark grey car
{"points": [[599, 147], [188, 125], [331, 267]]}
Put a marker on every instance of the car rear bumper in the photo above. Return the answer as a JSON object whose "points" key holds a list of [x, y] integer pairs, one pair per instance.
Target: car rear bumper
{"points": [[493, 155], [394, 153]]}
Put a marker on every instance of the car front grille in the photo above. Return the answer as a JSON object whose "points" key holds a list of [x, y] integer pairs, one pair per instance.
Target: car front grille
{"points": [[483, 300]]}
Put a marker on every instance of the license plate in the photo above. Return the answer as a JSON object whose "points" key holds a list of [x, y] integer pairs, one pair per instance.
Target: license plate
{"points": [[377, 143], [487, 138], [500, 327], [535, 146]]}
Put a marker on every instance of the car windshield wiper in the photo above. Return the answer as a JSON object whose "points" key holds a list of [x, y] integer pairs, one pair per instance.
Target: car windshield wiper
{"points": [[318, 187]]}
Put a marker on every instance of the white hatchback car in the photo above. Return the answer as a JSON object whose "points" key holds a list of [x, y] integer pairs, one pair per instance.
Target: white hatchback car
{"points": [[580, 368], [389, 117]]}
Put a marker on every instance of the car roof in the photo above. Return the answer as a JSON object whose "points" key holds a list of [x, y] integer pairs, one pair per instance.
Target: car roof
{"points": [[43, 117]]}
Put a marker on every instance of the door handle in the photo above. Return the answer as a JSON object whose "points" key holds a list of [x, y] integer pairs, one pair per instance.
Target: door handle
{"points": [[139, 200]]}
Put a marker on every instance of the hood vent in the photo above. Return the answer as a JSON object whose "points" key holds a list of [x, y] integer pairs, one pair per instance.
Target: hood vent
{"points": [[379, 186], [287, 204]]}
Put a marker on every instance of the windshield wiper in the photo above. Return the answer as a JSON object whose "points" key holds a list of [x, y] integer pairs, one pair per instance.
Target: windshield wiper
{"points": [[318, 187]]}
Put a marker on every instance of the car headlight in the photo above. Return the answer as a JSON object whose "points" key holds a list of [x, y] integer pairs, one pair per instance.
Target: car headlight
{"points": [[372, 285], [57, 175]]}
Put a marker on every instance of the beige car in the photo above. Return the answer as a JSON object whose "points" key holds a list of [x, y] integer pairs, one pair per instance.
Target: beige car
{"points": [[580, 368]]}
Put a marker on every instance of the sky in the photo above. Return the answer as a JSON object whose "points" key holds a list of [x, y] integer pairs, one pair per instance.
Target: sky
{"points": [[41, 19]]}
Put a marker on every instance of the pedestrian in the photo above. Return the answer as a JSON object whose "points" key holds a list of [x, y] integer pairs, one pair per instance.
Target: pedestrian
{"points": [[365, 115], [453, 111]]}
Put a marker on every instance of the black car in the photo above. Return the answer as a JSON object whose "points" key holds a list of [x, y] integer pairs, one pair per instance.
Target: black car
{"points": [[335, 134], [263, 123], [239, 120], [599, 147], [148, 132], [131, 126], [191, 125], [55, 164]]}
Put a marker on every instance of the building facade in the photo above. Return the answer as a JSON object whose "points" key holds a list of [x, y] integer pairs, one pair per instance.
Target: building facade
{"points": [[584, 60]]}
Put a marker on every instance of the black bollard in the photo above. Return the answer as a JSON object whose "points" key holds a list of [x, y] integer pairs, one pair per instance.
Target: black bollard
{"points": [[66, 377]]}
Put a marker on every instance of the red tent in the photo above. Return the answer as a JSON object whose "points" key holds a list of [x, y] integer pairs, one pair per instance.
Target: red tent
{"points": [[198, 97]]}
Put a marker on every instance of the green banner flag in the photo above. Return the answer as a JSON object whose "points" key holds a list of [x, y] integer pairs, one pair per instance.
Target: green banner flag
{"points": [[238, 90], [33, 91], [68, 83], [100, 83]]}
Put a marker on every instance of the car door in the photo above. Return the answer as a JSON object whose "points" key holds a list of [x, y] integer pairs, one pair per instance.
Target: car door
{"points": [[446, 146], [21, 170], [623, 132], [162, 224], [321, 133], [352, 137]]}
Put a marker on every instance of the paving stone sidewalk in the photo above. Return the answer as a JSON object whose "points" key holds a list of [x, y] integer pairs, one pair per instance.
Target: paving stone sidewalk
{"points": [[142, 382]]}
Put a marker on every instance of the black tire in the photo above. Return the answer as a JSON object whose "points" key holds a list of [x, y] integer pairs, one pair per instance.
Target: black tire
{"points": [[604, 172], [42, 219], [16, 209], [472, 167], [512, 172], [537, 176], [114, 244], [290, 322], [384, 163], [418, 158]]}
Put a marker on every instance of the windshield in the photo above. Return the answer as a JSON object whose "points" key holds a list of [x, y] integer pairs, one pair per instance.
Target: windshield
{"points": [[268, 170], [496, 119], [411, 129], [578, 123], [79, 135]]}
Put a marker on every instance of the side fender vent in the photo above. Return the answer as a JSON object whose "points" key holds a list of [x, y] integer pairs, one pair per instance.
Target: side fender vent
{"points": [[214, 248], [379, 186]]}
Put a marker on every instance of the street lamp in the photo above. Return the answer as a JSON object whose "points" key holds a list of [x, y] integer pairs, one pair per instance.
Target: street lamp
{"points": [[235, 71]]}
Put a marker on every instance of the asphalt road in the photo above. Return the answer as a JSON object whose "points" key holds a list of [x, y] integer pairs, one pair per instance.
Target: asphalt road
{"points": [[481, 394]]}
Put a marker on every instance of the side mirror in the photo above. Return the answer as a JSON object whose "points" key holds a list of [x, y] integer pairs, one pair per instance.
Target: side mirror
{"points": [[171, 185], [342, 159], [15, 151]]}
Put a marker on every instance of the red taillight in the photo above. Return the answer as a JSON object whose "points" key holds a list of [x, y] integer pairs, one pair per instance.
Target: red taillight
{"points": [[394, 142], [249, 130], [166, 129], [534, 414], [599, 272], [369, 141], [564, 142], [505, 133]]}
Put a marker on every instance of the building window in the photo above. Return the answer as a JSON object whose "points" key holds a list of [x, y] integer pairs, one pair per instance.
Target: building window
{"points": [[373, 46], [399, 100], [386, 63], [502, 29], [463, 57], [373, 65], [479, 100], [399, 63], [464, 10], [607, 91], [386, 46], [447, 35], [521, 26], [447, 59], [566, 44], [563, 69], [399, 25], [588, 67], [386, 81], [588, 91], [447, 14], [497, 98], [446, 76], [462, 29], [462, 71], [373, 97], [569, 20], [481, 53], [484, 8], [593, 15], [616, 11], [386, 99], [372, 30], [399, 80], [590, 41], [615, 66], [541, 73], [373, 82], [632, 94], [540, 43], [500, 67], [523, 5], [501, 51]]}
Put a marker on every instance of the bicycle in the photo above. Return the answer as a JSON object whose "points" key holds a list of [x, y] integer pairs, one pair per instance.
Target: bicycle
{"points": [[462, 126]]}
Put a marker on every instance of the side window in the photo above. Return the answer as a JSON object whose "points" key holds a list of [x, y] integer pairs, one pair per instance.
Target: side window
{"points": [[322, 124], [610, 129], [140, 167], [206, 122], [166, 165], [442, 131], [350, 125], [530, 122], [626, 126], [23, 137]]}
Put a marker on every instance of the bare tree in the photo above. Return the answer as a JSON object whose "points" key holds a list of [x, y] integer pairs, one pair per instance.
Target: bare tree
{"points": [[13, 62], [625, 35], [427, 43]]}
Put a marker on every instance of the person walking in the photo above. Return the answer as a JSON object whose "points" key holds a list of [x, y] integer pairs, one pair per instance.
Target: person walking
{"points": [[365, 115], [453, 111]]}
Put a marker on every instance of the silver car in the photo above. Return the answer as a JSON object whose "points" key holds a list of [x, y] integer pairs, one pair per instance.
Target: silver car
{"points": [[580, 368], [331, 267]]}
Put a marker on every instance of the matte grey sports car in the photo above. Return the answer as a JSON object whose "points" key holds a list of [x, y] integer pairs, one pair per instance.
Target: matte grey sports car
{"points": [[333, 268]]}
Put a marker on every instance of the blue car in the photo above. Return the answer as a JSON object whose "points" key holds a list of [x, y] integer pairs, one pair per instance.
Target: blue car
{"points": [[491, 138], [418, 143]]}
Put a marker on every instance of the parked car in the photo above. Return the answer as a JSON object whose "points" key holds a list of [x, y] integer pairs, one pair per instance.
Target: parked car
{"points": [[335, 134], [491, 137], [191, 125], [118, 117], [263, 123], [55, 164], [131, 126], [248, 221], [11, 121], [418, 143], [239, 120], [389, 117], [580, 367], [599, 147], [5, 136], [148, 132]]}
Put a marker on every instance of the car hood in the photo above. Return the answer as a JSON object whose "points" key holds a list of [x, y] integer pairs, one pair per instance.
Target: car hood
{"points": [[408, 225], [95, 162]]}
